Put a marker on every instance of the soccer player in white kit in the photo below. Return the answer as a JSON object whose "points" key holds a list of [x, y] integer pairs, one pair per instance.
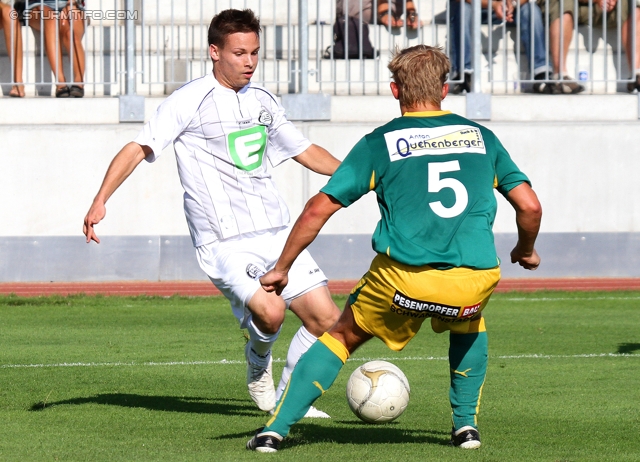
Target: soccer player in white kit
{"points": [[223, 129]]}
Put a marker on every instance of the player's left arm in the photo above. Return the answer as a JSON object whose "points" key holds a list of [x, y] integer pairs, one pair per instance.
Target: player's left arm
{"points": [[318, 159], [528, 216], [315, 214]]}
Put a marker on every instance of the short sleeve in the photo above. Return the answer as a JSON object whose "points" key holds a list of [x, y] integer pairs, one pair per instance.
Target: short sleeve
{"points": [[285, 140], [166, 124], [355, 176], [508, 175]]}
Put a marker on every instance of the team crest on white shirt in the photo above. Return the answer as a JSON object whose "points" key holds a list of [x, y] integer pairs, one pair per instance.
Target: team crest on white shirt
{"points": [[265, 117]]}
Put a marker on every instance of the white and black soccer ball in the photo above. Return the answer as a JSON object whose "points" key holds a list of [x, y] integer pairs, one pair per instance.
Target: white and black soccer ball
{"points": [[378, 392]]}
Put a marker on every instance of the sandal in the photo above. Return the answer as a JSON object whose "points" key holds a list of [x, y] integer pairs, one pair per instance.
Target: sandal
{"points": [[17, 91], [62, 92], [413, 22], [76, 92]]}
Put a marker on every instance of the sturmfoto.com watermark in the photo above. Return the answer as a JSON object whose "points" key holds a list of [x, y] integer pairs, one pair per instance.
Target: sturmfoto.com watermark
{"points": [[77, 14]]}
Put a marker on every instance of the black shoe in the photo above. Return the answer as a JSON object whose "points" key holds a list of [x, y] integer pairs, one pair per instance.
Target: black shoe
{"points": [[634, 87], [458, 88], [465, 438], [76, 92], [264, 442], [63, 92], [544, 88]]}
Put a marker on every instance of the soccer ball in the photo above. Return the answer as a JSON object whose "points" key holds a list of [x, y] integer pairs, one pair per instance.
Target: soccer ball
{"points": [[378, 391]]}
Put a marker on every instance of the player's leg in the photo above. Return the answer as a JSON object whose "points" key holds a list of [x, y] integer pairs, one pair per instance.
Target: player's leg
{"points": [[468, 355], [233, 267], [263, 326], [366, 315], [314, 373], [308, 297], [469, 290], [318, 314]]}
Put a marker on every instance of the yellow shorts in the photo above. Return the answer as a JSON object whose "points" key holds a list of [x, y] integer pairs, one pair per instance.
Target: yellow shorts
{"points": [[392, 300]]}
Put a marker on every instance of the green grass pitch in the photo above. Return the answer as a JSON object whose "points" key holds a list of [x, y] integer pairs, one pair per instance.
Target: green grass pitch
{"points": [[145, 379]]}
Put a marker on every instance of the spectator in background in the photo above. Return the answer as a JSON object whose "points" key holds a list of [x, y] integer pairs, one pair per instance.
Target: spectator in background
{"points": [[13, 37], [62, 22], [530, 16], [351, 29], [599, 10], [389, 13]]}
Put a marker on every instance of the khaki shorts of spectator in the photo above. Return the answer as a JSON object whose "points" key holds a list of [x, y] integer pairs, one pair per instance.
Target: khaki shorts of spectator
{"points": [[568, 6]]}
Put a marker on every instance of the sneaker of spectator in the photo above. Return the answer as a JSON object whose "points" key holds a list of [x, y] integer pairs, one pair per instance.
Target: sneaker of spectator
{"points": [[543, 85], [461, 84], [567, 86]]}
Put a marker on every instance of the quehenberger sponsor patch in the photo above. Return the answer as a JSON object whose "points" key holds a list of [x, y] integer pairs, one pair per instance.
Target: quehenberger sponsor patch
{"points": [[411, 307], [435, 141]]}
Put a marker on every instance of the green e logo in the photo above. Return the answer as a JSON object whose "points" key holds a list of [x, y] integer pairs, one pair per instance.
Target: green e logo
{"points": [[247, 147]]}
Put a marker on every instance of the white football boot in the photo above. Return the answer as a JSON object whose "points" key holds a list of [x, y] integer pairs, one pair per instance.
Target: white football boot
{"points": [[260, 383]]}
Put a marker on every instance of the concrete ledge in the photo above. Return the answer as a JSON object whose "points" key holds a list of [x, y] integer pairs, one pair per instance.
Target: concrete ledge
{"points": [[512, 108], [73, 111], [564, 108], [362, 109]]}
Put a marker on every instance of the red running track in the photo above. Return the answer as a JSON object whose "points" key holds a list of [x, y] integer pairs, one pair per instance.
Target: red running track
{"points": [[205, 288]]}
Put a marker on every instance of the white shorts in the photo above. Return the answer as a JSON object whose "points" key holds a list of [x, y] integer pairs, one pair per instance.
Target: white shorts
{"points": [[236, 264]]}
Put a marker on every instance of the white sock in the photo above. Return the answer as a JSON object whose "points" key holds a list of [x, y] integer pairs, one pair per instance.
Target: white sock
{"points": [[300, 343], [260, 344]]}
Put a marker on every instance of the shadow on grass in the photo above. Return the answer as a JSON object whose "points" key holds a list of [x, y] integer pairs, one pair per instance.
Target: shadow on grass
{"points": [[628, 348], [188, 404], [355, 432]]}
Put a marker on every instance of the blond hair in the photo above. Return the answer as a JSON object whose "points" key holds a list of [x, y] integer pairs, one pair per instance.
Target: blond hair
{"points": [[420, 72]]}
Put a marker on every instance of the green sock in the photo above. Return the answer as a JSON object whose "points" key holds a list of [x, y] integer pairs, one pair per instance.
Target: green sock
{"points": [[468, 361], [315, 372]]}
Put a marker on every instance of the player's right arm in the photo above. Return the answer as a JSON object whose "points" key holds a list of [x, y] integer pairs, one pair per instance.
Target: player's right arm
{"points": [[528, 216], [120, 168]]}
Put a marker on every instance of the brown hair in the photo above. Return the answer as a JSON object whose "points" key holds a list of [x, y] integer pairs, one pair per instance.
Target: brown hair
{"points": [[420, 72], [229, 22]]}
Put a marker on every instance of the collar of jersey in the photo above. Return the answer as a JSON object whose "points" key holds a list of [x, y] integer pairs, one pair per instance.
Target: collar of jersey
{"points": [[221, 87], [426, 114]]}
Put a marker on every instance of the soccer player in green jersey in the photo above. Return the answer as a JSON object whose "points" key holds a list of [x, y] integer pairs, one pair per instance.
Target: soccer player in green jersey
{"points": [[434, 174]]}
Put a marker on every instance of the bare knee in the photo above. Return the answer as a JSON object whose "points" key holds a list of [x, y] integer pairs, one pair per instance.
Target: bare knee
{"points": [[267, 311]]}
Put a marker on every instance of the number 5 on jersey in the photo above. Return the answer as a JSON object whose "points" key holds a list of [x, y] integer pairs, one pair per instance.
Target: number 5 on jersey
{"points": [[436, 184]]}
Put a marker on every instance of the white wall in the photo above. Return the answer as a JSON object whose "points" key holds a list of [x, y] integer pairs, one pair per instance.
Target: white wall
{"points": [[583, 171]]}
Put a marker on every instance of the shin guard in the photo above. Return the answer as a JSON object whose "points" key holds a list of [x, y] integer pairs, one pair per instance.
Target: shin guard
{"points": [[315, 372], [468, 355]]}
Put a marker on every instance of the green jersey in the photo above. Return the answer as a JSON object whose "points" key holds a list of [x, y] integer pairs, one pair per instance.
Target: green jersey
{"points": [[434, 175]]}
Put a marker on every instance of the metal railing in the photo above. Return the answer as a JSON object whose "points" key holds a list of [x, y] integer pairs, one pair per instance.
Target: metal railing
{"points": [[167, 45]]}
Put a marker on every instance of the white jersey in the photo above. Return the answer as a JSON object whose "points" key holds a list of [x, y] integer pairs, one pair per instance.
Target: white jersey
{"points": [[222, 140]]}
